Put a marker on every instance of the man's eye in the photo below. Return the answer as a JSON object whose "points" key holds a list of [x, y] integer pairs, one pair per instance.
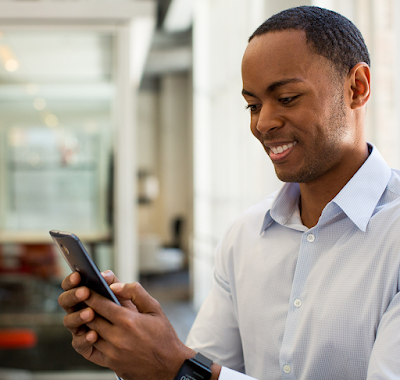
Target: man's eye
{"points": [[288, 100], [252, 107]]}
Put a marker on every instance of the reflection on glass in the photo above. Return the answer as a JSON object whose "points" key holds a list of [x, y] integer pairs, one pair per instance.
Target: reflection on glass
{"points": [[55, 130], [53, 179]]}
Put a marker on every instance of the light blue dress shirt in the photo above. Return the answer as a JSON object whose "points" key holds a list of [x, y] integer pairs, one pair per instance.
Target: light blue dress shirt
{"points": [[290, 302]]}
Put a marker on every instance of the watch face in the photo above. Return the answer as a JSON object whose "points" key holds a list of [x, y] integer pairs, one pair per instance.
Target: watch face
{"points": [[193, 371]]}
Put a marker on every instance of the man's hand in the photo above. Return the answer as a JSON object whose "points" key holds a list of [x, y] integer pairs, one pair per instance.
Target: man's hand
{"points": [[72, 301], [140, 342], [135, 340]]}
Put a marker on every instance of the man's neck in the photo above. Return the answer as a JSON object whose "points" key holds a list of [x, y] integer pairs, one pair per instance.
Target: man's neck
{"points": [[311, 206], [314, 196]]}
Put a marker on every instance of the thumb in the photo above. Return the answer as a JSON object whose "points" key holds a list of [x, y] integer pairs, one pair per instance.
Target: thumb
{"points": [[135, 292], [110, 277]]}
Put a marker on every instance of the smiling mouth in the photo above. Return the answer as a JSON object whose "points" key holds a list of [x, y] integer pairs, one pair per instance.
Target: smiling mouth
{"points": [[281, 148]]}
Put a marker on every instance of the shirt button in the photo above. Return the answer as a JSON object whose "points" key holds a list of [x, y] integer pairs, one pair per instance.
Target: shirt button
{"points": [[297, 303], [310, 238], [287, 369]]}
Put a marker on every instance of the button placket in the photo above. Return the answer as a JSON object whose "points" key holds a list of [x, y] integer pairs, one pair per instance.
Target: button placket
{"points": [[309, 247]]}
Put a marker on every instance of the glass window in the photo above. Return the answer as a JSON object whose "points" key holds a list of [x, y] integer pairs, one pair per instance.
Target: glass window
{"points": [[57, 97], [56, 92]]}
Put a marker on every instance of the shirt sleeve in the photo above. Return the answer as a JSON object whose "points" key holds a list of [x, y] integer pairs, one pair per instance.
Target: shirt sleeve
{"points": [[215, 332], [384, 361], [228, 374]]}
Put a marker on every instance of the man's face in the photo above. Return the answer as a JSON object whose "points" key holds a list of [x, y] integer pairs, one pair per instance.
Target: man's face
{"points": [[297, 106]]}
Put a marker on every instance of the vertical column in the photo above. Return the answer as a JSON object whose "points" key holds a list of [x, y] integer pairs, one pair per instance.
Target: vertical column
{"points": [[175, 151], [202, 141], [384, 54], [395, 15], [125, 235]]}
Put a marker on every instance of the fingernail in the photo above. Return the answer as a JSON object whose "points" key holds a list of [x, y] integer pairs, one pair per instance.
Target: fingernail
{"points": [[117, 286], [80, 293], [74, 277], [85, 314], [90, 336]]}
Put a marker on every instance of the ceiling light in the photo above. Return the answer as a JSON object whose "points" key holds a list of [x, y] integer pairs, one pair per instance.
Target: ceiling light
{"points": [[10, 63]]}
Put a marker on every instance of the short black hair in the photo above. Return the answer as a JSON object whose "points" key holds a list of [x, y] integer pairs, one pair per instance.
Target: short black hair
{"points": [[332, 35]]}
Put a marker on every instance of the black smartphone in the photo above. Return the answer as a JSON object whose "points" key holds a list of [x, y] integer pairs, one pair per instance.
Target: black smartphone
{"points": [[79, 260]]}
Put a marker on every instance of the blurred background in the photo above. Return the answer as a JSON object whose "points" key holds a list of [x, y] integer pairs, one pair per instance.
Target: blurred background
{"points": [[123, 122]]}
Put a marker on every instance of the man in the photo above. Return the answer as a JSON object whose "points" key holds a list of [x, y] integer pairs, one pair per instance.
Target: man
{"points": [[306, 282]]}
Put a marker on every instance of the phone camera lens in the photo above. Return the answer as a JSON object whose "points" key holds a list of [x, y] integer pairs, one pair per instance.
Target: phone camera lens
{"points": [[65, 249]]}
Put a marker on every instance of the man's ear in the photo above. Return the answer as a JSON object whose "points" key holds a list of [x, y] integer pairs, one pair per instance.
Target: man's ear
{"points": [[360, 85]]}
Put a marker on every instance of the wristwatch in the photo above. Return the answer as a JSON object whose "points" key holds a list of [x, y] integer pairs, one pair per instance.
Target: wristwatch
{"points": [[197, 368]]}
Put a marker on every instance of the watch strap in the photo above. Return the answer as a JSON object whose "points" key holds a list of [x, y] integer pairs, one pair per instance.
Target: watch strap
{"points": [[196, 368], [203, 360]]}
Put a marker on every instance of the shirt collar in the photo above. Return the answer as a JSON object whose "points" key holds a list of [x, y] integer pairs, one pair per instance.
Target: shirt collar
{"points": [[359, 197], [353, 200], [283, 205]]}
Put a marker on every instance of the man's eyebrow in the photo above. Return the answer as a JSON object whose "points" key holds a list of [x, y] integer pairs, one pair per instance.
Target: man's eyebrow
{"points": [[245, 92], [274, 86]]}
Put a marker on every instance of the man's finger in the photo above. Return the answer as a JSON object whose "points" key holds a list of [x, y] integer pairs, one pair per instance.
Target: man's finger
{"points": [[75, 322], [138, 295], [71, 299], [103, 306], [83, 344], [71, 281], [101, 326], [110, 277]]}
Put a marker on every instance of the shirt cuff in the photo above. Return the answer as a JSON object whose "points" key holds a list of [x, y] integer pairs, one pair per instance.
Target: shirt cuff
{"points": [[225, 374], [228, 374]]}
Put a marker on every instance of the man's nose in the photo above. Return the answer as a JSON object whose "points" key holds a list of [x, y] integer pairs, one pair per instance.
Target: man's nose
{"points": [[268, 119]]}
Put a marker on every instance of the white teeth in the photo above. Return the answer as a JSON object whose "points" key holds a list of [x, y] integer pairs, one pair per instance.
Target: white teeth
{"points": [[281, 149]]}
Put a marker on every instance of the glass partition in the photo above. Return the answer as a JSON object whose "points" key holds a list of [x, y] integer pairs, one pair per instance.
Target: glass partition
{"points": [[57, 95], [56, 101]]}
